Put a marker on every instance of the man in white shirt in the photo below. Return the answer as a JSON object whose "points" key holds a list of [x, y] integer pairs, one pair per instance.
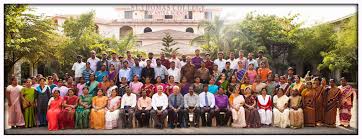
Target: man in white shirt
{"points": [[242, 59], [125, 71], [128, 104], [153, 60], [233, 61], [252, 61], [220, 62], [207, 104], [159, 105], [176, 60], [93, 60], [175, 72], [143, 61], [183, 61], [78, 68], [114, 61]]}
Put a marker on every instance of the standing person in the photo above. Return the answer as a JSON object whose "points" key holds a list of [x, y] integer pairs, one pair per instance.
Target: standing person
{"points": [[78, 68], [257, 86], [298, 84], [93, 85], [207, 104], [136, 69], [220, 61], [98, 112], [87, 71], [295, 110], [242, 59], [240, 71], [184, 85], [175, 59], [112, 75], [80, 86], [159, 105], [114, 61], [215, 73], [283, 83], [188, 71], [143, 62], [54, 109], [42, 96], [101, 73], [102, 62], [125, 71], [183, 60], [331, 102], [28, 104], [192, 103], [83, 109], [228, 71], [128, 104], [66, 116], [143, 109], [265, 107], [290, 74], [251, 73], [208, 62], [251, 60], [309, 107], [233, 61], [196, 61], [93, 60], [203, 73], [198, 86], [148, 71], [212, 87], [148, 87], [70, 83], [252, 117], [176, 108], [165, 62], [123, 86], [62, 89], [346, 103], [222, 105], [281, 110], [153, 60], [262, 59], [270, 85], [51, 83], [175, 72], [112, 113], [136, 86], [161, 71], [237, 109], [13, 96], [55, 78], [129, 59], [264, 72], [319, 100]]}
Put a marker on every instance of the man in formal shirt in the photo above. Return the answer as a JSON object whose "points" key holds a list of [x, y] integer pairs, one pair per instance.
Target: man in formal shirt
{"points": [[143, 109], [208, 62], [93, 60], [207, 104], [102, 62], [136, 69], [175, 59], [197, 59], [78, 68], [125, 71], [242, 59], [142, 60], [148, 71], [128, 104], [233, 61], [261, 58], [153, 60], [175, 108], [220, 61], [222, 105], [114, 61], [159, 105], [188, 71], [175, 72], [165, 62], [160, 70], [192, 104], [129, 59], [252, 61]]}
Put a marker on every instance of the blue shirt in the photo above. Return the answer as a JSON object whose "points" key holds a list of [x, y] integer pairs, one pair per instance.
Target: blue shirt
{"points": [[136, 71], [213, 89], [100, 75]]}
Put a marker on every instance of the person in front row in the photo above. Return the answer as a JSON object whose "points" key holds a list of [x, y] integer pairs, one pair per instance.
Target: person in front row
{"points": [[98, 112], [143, 109], [207, 104], [128, 104], [295, 110], [222, 105], [192, 103], [176, 108], [159, 105]]}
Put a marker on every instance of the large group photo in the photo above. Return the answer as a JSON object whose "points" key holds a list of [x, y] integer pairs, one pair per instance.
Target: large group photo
{"points": [[180, 69]]}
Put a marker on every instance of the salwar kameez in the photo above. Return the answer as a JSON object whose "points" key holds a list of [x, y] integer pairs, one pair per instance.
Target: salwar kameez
{"points": [[16, 117], [66, 119], [238, 115], [53, 113], [296, 115], [112, 117], [42, 96], [264, 109], [281, 119], [82, 113], [309, 110], [97, 117], [346, 99], [29, 108]]}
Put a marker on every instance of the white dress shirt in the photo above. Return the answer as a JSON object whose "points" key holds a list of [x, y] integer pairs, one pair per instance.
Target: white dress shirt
{"points": [[177, 62], [158, 101], [78, 69], [210, 98], [130, 100], [233, 63], [220, 64], [175, 73], [93, 63]]}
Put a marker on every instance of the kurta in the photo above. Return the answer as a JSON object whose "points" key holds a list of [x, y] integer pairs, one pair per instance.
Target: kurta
{"points": [[42, 96], [53, 113], [251, 115], [331, 102], [238, 115], [112, 117], [66, 118], [82, 114], [319, 104], [29, 109], [97, 117], [309, 110], [281, 119], [346, 100], [296, 116], [16, 117], [264, 109]]}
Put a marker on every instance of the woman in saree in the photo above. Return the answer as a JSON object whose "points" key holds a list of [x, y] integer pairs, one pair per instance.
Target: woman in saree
{"points": [[159, 82], [97, 116], [309, 106], [295, 110], [171, 83], [149, 87], [54, 109], [331, 103], [223, 82], [265, 107], [136, 86], [251, 113], [251, 73], [319, 100], [13, 95], [70, 102], [198, 86], [298, 84], [239, 73], [237, 109], [112, 73], [270, 85], [28, 104], [112, 113], [105, 84], [83, 109], [184, 85], [281, 110], [232, 85], [42, 96], [244, 84], [215, 72], [346, 103], [93, 85]]}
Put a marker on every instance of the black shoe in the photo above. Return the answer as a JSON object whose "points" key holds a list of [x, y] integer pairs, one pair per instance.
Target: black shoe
{"points": [[197, 125]]}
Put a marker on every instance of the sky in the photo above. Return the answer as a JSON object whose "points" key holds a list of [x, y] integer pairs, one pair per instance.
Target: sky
{"points": [[309, 14]]}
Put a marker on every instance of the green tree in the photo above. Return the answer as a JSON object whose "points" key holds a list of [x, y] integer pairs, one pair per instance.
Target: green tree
{"points": [[168, 42]]}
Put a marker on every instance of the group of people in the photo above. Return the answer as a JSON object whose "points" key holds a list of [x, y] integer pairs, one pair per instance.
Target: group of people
{"points": [[239, 92]]}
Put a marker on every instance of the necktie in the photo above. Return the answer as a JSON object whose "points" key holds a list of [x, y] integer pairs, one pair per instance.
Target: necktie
{"points": [[206, 100], [175, 101]]}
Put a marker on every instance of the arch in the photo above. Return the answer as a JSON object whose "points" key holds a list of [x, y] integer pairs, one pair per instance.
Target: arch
{"points": [[124, 31], [189, 29], [147, 29]]}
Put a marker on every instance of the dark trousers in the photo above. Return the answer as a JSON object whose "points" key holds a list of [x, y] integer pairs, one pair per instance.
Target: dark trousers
{"points": [[196, 116], [158, 118], [206, 121], [222, 119], [143, 117], [175, 118], [127, 117]]}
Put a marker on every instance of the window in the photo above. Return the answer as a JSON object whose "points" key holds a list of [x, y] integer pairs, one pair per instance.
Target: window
{"points": [[147, 16], [168, 16], [128, 14], [190, 15], [208, 15], [147, 29], [191, 30]]}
